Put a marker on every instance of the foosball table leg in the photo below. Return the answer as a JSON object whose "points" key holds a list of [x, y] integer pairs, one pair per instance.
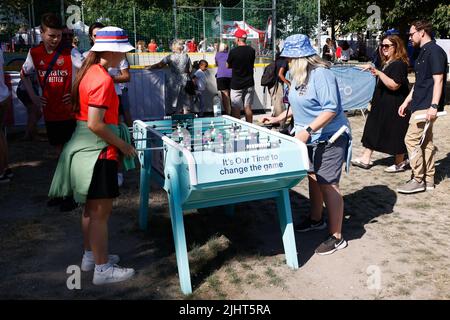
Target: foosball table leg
{"points": [[144, 189], [287, 228], [179, 236]]}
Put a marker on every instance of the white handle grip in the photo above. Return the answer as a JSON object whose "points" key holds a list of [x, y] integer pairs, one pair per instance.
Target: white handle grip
{"points": [[337, 134], [423, 116]]}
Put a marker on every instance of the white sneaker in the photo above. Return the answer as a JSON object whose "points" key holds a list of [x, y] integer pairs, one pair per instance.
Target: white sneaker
{"points": [[120, 179], [113, 274], [88, 264]]}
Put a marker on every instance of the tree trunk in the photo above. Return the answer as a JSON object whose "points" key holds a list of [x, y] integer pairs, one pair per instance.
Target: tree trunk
{"points": [[333, 29]]}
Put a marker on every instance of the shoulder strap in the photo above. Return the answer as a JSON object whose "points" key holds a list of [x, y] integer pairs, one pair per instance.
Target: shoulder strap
{"points": [[51, 65]]}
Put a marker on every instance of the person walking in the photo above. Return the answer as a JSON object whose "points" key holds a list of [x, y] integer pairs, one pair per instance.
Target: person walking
{"points": [[87, 168], [241, 60], [385, 130], [425, 99]]}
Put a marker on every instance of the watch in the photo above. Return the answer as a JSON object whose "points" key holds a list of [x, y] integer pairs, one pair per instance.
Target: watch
{"points": [[435, 106], [309, 130]]}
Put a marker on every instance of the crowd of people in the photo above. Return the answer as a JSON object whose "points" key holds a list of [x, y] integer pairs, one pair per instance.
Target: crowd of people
{"points": [[81, 95]]}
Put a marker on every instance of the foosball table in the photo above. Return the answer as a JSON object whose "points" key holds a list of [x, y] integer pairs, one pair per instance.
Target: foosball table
{"points": [[220, 161]]}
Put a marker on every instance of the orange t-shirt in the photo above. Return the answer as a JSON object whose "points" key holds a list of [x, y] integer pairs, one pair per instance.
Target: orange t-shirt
{"points": [[59, 81], [97, 90]]}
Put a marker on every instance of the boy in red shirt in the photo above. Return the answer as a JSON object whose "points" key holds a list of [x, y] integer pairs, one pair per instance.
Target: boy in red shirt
{"points": [[53, 65]]}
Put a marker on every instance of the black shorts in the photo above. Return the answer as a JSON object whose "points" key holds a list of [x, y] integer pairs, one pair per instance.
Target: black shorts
{"points": [[104, 180], [223, 83], [59, 132]]}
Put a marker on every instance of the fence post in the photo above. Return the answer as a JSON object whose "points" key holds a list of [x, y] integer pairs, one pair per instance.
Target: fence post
{"points": [[175, 19], [274, 27], [204, 31], [220, 22], [319, 29], [134, 23]]}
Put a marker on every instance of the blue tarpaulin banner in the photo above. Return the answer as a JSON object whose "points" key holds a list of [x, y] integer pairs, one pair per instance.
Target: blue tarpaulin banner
{"points": [[356, 86]]}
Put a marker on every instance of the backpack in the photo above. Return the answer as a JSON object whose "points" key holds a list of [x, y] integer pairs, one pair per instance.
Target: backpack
{"points": [[269, 77]]}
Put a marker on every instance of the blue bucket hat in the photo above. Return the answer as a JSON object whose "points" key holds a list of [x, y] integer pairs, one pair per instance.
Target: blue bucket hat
{"points": [[297, 46]]}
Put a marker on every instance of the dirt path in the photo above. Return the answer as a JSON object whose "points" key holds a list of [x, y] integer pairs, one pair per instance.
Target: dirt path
{"points": [[398, 245]]}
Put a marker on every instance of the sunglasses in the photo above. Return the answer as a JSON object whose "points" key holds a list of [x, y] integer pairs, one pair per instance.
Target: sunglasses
{"points": [[412, 33], [386, 46]]}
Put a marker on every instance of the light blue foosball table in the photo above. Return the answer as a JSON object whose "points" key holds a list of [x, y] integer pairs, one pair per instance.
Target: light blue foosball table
{"points": [[221, 161]]}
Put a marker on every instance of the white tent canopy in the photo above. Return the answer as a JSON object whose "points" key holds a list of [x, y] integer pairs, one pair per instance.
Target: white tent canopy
{"points": [[230, 27]]}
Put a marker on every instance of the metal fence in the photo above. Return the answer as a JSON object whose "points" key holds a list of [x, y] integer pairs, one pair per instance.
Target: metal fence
{"points": [[207, 25]]}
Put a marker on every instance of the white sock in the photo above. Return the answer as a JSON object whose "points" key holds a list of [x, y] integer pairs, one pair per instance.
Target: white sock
{"points": [[88, 254], [102, 267]]}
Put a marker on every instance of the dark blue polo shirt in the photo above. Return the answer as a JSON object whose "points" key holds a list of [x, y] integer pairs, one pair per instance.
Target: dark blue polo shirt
{"points": [[432, 60]]}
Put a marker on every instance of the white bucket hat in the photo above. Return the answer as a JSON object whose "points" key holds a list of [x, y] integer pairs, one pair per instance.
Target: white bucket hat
{"points": [[111, 39]]}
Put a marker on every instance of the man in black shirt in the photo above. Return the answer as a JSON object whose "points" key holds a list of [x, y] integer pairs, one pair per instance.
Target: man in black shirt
{"points": [[425, 99], [241, 60]]}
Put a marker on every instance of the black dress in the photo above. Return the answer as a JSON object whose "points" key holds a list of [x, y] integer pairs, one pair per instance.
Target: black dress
{"points": [[385, 130]]}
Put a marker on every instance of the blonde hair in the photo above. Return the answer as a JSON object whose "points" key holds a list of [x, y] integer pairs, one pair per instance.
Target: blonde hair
{"points": [[177, 46], [223, 47], [300, 68]]}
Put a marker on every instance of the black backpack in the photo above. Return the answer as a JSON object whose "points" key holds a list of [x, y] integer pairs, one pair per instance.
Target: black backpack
{"points": [[269, 76]]}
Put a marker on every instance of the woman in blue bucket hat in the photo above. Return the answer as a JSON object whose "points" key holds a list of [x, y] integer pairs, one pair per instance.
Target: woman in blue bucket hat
{"points": [[87, 167], [318, 115]]}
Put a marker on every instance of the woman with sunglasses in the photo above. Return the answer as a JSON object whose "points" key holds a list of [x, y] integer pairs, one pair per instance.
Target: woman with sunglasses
{"points": [[385, 130]]}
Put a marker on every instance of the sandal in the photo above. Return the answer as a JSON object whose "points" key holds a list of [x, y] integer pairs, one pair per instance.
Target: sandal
{"points": [[360, 164]]}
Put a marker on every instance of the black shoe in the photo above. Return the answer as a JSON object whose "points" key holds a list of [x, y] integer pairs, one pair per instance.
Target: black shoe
{"points": [[331, 245], [68, 204], [53, 202], [309, 225]]}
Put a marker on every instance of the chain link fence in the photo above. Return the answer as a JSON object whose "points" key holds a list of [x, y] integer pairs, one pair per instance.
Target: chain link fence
{"points": [[207, 26]]}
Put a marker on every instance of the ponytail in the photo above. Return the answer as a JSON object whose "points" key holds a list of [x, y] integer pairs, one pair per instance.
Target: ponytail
{"points": [[91, 59]]}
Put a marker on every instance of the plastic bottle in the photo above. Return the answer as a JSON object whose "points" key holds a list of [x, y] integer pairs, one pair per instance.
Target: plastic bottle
{"points": [[217, 106]]}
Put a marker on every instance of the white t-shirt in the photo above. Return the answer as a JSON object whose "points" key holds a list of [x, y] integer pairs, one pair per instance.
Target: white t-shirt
{"points": [[115, 71], [4, 91], [200, 80]]}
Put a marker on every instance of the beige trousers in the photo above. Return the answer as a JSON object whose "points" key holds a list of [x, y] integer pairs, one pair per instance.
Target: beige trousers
{"points": [[276, 94], [422, 164]]}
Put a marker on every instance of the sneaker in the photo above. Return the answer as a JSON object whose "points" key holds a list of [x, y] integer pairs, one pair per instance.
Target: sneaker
{"points": [[412, 186], [309, 225], [120, 179], [429, 186], [88, 264], [331, 245], [396, 168], [111, 275]]}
